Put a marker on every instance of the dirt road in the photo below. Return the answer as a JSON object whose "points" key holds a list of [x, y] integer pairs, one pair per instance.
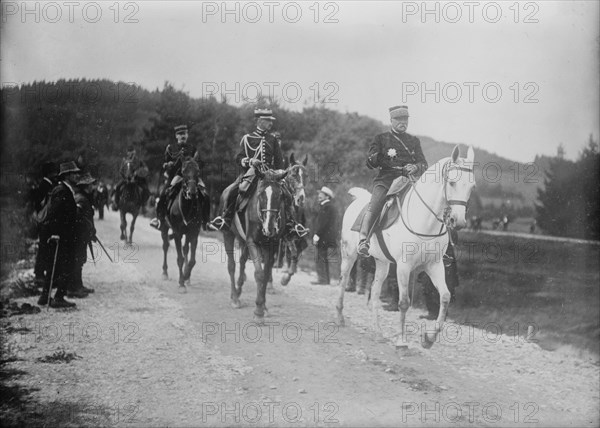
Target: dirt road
{"points": [[146, 355]]}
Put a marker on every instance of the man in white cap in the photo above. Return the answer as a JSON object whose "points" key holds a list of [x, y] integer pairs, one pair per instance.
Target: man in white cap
{"points": [[396, 153], [326, 235]]}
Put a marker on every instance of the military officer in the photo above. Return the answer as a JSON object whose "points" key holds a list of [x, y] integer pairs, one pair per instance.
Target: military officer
{"points": [[173, 161], [396, 153], [256, 148]]}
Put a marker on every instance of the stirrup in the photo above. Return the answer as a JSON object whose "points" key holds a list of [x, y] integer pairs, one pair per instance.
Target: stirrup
{"points": [[363, 248], [155, 223], [300, 230], [217, 223]]}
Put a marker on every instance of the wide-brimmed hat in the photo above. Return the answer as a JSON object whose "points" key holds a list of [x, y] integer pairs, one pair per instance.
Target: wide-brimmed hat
{"points": [[326, 190], [68, 167], [264, 113], [86, 179]]}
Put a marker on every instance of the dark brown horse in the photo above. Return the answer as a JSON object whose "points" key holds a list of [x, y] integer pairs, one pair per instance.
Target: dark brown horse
{"points": [[130, 201], [292, 247], [263, 226], [184, 218]]}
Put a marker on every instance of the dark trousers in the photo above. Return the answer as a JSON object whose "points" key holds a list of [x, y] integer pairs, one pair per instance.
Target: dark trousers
{"points": [[64, 269], [326, 254], [362, 274], [44, 257]]}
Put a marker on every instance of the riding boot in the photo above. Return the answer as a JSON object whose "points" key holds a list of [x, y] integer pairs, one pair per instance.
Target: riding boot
{"points": [[365, 233]]}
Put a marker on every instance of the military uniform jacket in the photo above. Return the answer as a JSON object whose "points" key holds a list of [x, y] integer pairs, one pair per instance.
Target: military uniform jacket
{"points": [[176, 155], [391, 149], [60, 219], [326, 227], [262, 146]]}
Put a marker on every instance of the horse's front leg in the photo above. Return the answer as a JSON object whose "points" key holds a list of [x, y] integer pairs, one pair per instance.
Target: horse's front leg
{"points": [[123, 226], [229, 240], [192, 261], [259, 276], [243, 260], [177, 239], [164, 233], [403, 276], [186, 250], [348, 259], [291, 260], [381, 272], [438, 276], [131, 228]]}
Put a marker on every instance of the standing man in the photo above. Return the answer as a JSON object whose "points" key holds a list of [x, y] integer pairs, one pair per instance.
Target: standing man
{"points": [[326, 235], [85, 232], [173, 161], [60, 227], [43, 260], [257, 148], [100, 199], [396, 153]]}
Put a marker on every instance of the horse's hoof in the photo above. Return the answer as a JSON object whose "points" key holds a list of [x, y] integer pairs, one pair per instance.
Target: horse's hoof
{"points": [[426, 342], [188, 283], [235, 304], [271, 290], [165, 276], [259, 320], [341, 322], [182, 289]]}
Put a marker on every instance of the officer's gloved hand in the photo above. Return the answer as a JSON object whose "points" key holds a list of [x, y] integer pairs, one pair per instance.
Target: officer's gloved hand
{"points": [[255, 163]]}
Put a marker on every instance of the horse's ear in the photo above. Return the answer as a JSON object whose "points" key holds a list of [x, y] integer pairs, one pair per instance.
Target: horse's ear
{"points": [[196, 156], [305, 161], [470, 154], [292, 159], [286, 163], [455, 153]]}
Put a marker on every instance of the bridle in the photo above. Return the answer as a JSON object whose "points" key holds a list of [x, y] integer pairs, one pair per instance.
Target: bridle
{"points": [[261, 212], [296, 183], [448, 203]]}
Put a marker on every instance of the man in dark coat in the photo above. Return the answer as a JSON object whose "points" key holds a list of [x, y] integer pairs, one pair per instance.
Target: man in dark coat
{"points": [[174, 156], [326, 235], [100, 198], [397, 154], [85, 232], [257, 148], [43, 260], [60, 226]]}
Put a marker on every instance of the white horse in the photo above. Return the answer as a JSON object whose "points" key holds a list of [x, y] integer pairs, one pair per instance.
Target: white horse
{"points": [[417, 240]]}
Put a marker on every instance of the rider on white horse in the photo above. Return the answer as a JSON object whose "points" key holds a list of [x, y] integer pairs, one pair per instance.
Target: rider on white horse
{"points": [[396, 153]]}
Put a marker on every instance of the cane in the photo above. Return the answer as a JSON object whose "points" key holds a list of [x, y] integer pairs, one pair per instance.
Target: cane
{"points": [[57, 239], [105, 252]]}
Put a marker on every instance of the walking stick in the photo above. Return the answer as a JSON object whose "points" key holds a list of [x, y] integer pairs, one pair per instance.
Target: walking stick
{"points": [[105, 252], [92, 252], [57, 239]]}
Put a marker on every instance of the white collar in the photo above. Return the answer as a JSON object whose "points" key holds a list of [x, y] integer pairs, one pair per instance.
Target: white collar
{"points": [[325, 201], [70, 187]]}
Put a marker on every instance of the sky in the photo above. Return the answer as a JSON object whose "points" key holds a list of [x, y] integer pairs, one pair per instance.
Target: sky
{"points": [[514, 78]]}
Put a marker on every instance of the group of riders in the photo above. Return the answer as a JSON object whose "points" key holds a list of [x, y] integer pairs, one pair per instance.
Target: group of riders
{"points": [[395, 153], [259, 149]]}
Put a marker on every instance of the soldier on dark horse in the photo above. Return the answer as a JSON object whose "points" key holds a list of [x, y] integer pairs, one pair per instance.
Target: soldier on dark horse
{"points": [[132, 169], [259, 148], [132, 191], [175, 154]]}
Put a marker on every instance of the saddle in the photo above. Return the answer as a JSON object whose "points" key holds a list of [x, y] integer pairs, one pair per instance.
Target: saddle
{"points": [[390, 211]]}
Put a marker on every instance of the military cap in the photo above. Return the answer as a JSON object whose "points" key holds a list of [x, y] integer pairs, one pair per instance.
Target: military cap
{"points": [[180, 128], [397, 111], [263, 113]]}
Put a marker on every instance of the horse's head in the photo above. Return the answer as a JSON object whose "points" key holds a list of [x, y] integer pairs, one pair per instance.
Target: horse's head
{"points": [[190, 172], [296, 179], [129, 170], [270, 202], [459, 181]]}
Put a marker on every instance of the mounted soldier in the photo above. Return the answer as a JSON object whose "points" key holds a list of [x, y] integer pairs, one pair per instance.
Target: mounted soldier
{"points": [[140, 172], [174, 156], [257, 149], [397, 154]]}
